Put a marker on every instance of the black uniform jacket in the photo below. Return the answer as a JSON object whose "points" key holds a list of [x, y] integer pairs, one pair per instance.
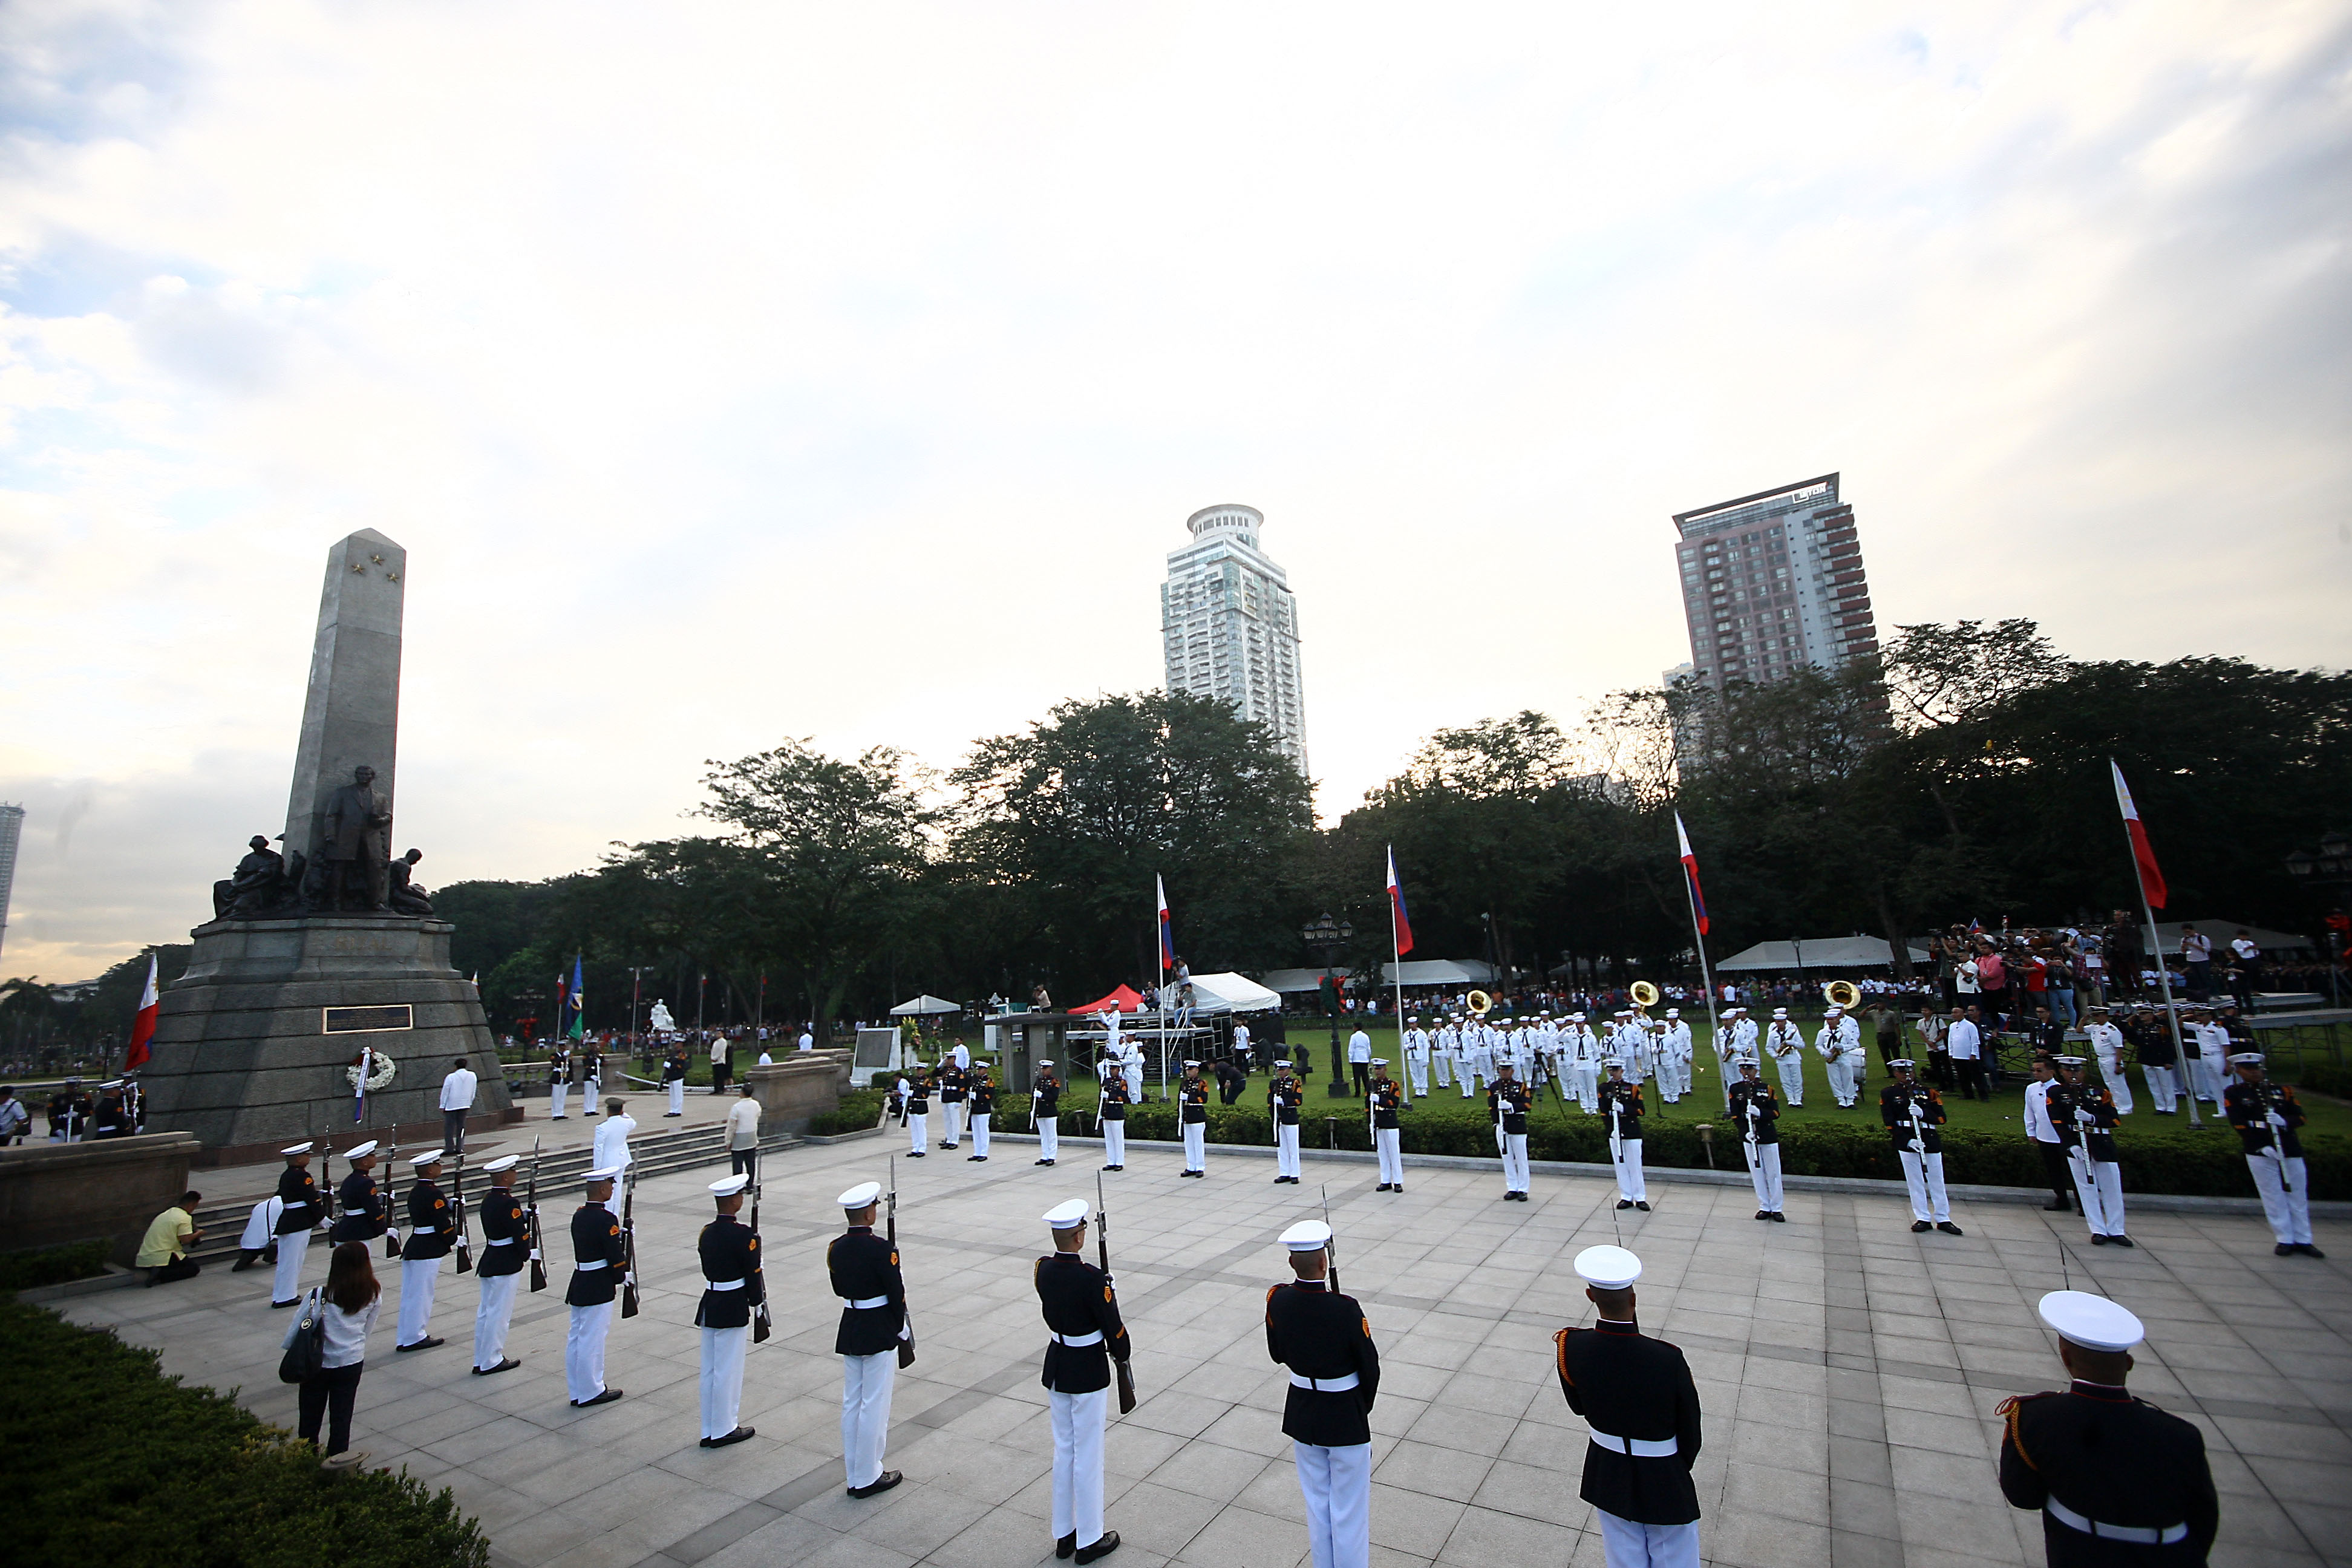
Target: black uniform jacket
{"points": [[506, 1239], [1629, 1386], [2112, 1460], [673, 1069], [1509, 1102], [1195, 1091], [1049, 1094], [864, 1266], [366, 1210], [1077, 1300], [983, 1097], [1768, 1111], [2248, 1107], [1114, 1102], [918, 1096], [1621, 1103], [951, 1082], [300, 1189], [1894, 1103], [432, 1222], [1283, 1097], [1320, 1334], [1387, 1098], [2098, 1134], [729, 1251], [2151, 1041], [595, 1238]]}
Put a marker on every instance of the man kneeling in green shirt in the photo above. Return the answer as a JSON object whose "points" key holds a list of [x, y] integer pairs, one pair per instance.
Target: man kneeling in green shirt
{"points": [[164, 1250]]}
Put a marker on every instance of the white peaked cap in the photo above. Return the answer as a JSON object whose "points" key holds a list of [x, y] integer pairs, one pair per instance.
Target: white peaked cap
{"points": [[2247, 1058], [503, 1162], [434, 1158], [1779, 1012], [1067, 1215], [1834, 1010], [1673, 1012], [360, 1151], [295, 1149], [602, 1173], [2092, 1322], [1307, 1235], [858, 1196], [1576, 1017], [1608, 1268], [1048, 1062], [1283, 1062], [1191, 1063], [1380, 1061], [728, 1187]]}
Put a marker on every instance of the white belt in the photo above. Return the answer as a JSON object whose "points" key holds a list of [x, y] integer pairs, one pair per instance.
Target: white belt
{"points": [[2142, 1534], [1638, 1447], [1324, 1384], [723, 1284], [426, 1230], [869, 1303], [500, 1240], [584, 1268], [1074, 1340]]}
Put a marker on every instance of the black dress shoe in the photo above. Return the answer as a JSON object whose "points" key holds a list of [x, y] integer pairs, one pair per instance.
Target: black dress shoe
{"points": [[1948, 1228], [606, 1397], [1114, 1167], [882, 1483], [914, 1153], [1624, 1203], [1641, 1205], [2309, 1250], [295, 1302], [1398, 1187], [972, 1158], [2121, 1240], [506, 1364], [1919, 1225], [1779, 1218], [740, 1434], [1067, 1546], [1381, 1188], [2098, 1240], [1102, 1547], [425, 1343]]}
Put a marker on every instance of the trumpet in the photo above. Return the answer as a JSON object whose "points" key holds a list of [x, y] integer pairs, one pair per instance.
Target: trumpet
{"points": [[1844, 994], [1480, 1002]]}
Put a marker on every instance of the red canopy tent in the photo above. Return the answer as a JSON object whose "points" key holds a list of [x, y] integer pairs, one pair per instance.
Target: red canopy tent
{"points": [[1125, 999]]}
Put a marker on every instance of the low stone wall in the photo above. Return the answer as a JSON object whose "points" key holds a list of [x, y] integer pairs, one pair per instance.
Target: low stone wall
{"points": [[55, 1193], [794, 1092]]}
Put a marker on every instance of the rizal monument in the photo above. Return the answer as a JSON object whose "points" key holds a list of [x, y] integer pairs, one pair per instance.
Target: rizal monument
{"points": [[324, 962]]}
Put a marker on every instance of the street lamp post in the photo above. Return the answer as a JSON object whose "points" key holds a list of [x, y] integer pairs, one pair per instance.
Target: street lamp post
{"points": [[1330, 936], [2331, 868]]}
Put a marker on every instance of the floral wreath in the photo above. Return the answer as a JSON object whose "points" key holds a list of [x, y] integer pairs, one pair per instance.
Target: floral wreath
{"points": [[382, 1073]]}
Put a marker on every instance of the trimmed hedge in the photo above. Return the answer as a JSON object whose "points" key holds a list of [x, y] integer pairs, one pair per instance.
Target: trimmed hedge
{"points": [[132, 1466], [2174, 1160], [2327, 1077], [860, 1109], [52, 1264]]}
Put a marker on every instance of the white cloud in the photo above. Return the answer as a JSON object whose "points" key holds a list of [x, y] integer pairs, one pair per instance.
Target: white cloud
{"points": [[733, 372]]}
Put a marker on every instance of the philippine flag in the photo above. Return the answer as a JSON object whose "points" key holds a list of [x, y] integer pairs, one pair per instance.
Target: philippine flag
{"points": [[1690, 874], [2151, 880], [1396, 908], [1167, 931], [142, 1027]]}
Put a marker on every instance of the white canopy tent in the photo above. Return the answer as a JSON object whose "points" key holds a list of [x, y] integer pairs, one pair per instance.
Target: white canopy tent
{"points": [[1230, 993], [1828, 953], [1438, 971], [924, 1008], [1291, 981]]}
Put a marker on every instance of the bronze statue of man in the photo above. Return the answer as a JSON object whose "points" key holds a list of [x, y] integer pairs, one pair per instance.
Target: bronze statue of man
{"points": [[258, 884], [407, 897], [355, 849]]}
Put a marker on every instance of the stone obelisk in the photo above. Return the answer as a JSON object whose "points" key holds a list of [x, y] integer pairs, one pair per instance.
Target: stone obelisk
{"points": [[306, 973]]}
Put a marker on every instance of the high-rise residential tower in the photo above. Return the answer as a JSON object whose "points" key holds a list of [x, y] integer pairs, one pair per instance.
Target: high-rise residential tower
{"points": [[1230, 626], [11, 828], [1774, 581]]}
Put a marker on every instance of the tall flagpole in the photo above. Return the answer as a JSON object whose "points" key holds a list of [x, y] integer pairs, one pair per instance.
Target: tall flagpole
{"points": [[1396, 952], [2163, 970], [1706, 975]]}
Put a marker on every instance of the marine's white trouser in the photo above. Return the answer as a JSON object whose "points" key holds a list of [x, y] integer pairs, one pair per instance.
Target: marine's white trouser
{"points": [[1195, 1143], [491, 1317], [723, 1378], [559, 1097], [918, 1129], [287, 1284], [952, 1111], [1586, 1077], [1417, 1069], [865, 1414], [584, 1351], [1078, 1463], [1924, 1176], [1515, 1161], [261, 1225], [2288, 1212], [1445, 1070], [1286, 1149], [2205, 1073], [1625, 1544], [979, 1133], [2161, 1087], [2102, 1196], [1338, 1486], [591, 1089], [2111, 1072], [677, 1097], [1764, 1171], [1049, 1137], [1628, 1161], [1792, 1077], [418, 1278], [1387, 1140], [1115, 1142]]}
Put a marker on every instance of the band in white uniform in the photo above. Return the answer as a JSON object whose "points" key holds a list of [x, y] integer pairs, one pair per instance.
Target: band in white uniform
{"points": [[1840, 1045], [1785, 1043], [2107, 1047]]}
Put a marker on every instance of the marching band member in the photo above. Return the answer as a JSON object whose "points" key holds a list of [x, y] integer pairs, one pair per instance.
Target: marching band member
{"points": [[1786, 1043]]}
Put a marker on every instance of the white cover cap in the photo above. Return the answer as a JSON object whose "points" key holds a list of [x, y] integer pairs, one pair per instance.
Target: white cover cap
{"points": [[292, 1150], [434, 1158], [1046, 1063], [2092, 1322], [1380, 1061], [1608, 1267], [503, 1162], [1835, 1011], [1067, 1215], [728, 1187], [360, 1151], [1307, 1235], [1779, 1012], [1673, 1012], [602, 1173], [2247, 1058], [860, 1196], [1191, 1063], [1282, 1061], [1576, 1017]]}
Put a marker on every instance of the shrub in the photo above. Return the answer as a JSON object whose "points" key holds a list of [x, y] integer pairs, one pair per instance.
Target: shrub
{"points": [[859, 1109], [2327, 1077], [52, 1264], [135, 1467]]}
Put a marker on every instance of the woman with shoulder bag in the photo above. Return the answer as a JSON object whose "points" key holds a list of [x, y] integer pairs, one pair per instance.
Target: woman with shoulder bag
{"points": [[339, 1316]]}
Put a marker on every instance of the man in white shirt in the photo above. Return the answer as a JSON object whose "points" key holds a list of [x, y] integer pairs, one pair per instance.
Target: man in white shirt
{"points": [[1359, 1061], [456, 1099], [1964, 1044], [2107, 1049], [1242, 1044], [611, 1149], [743, 1136], [1786, 1045], [2047, 1141], [2207, 1072]]}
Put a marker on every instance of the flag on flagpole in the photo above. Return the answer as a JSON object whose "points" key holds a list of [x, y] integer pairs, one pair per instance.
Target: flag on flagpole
{"points": [[142, 1027], [1402, 921], [573, 1004], [1690, 874], [2151, 880], [1167, 931]]}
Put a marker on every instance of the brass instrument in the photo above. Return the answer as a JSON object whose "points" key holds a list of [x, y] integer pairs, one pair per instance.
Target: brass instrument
{"points": [[1645, 993], [1844, 994], [1480, 1002]]}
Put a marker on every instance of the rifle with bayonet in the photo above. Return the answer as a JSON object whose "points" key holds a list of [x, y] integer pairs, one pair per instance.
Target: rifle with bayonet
{"points": [[1124, 1373], [629, 1242], [390, 1214], [761, 1324], [464, 1238], [906, 1318], [530, 1222], [1331, 1247]]}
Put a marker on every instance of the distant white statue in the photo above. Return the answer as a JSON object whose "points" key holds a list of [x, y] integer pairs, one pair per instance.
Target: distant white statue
{"points": [[663, 1022]]}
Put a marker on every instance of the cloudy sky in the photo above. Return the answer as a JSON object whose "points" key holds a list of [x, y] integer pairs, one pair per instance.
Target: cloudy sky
{"points": [[737, 371]]}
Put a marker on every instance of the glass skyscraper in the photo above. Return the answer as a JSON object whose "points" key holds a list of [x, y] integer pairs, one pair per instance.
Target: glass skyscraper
{"points": [[1774, 581], [1229, 625]]}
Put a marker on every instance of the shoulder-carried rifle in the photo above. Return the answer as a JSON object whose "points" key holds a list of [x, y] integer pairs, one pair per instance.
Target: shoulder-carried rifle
{"points": [[1331, 1247], [761, 1324], [629, 1245], [530, 1222], [465, 1236], [890, 1234], [1124, 1373], [390, 1212]]}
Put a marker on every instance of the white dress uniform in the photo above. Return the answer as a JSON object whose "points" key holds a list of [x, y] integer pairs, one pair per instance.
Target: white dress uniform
{"points": [[1416, 1059], [1444, 1048], [2107, 1045], [1839, 1042], [261, 1224], [1786, 1044], [725, 1344], [610, 1147], [1678, 1050], [1478, 1053], [2212, 1066], [1084, 1336], [1583, 1049], [1744, 1039]]}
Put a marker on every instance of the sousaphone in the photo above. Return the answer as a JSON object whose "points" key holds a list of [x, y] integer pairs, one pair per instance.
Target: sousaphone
{"points": [[1645, 994], [1480, 1002], [1844, 994]]}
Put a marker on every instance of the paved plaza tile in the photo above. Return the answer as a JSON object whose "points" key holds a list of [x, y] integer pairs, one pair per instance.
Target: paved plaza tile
{"points": [[1849, 1371]]}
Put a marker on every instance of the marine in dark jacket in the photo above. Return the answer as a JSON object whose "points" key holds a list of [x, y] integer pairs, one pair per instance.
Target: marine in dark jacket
{"points": [[505, 1243], [299, 1191], [365, 1209], [2268, 1118], [1084, 1336], [864, 1271], [1754, 1109], [1640, 1408], [1323, 1339], [432, 1232], [2118, 1481], [599, 1254], [732, 1289]]}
